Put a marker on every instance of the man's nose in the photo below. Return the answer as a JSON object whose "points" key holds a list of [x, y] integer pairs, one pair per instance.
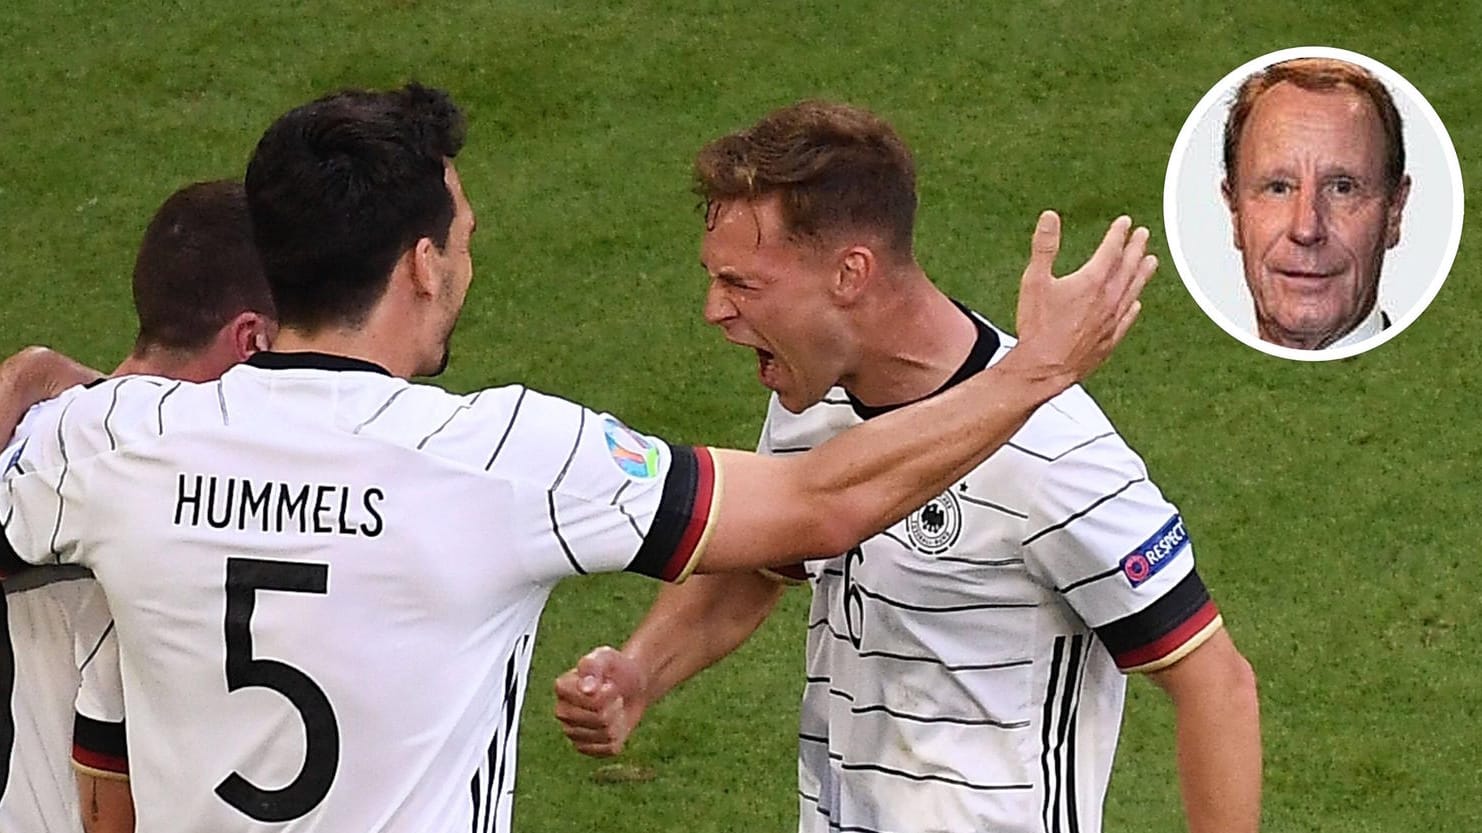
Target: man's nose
{"points": [[1308, 225], [718, 307]]}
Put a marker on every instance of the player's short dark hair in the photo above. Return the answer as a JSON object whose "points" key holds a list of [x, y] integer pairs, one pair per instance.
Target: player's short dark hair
{"points": [[837, 168], [197, 268], [1319, 75], [341, 187]]}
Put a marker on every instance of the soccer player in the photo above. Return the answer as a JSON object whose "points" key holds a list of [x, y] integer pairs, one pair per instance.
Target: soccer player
{"points": [[326, 579], [203, 305], [965, 668]]}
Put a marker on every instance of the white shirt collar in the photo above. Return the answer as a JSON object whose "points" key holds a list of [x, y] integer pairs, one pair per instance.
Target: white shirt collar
{"points": [[1369, 327]]}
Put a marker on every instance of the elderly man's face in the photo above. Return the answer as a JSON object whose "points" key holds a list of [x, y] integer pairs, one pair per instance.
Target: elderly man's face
{"points": [[1312, 213]]}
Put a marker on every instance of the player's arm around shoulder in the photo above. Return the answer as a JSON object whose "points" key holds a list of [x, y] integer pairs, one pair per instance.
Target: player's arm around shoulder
{"points": [[33, 375], [1213, 690]]}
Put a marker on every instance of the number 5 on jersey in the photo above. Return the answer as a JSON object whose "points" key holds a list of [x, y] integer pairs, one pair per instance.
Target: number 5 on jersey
{"points": [[244, 577]]}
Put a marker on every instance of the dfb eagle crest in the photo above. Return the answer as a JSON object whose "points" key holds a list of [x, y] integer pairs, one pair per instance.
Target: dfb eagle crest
{"points": [[934, 528]]}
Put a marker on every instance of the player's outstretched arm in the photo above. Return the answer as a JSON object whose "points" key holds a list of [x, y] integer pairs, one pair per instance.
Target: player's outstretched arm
{"points": [[33, 375], [690, 627], [774, 511], [1219, 736]]}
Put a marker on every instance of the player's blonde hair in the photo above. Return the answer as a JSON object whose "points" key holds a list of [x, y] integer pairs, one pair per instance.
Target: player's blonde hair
{"points": [[838, 168]]}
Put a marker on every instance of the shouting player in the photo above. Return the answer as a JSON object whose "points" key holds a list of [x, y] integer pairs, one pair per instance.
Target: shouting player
{"points": [[964, 667], [326, 579]]}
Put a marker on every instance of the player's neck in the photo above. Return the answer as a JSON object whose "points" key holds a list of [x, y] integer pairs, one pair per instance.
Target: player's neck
{"points": [[913, 339], [368, 344], [167, 363]]}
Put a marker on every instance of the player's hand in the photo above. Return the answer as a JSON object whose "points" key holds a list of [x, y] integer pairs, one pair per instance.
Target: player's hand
{"points": [[600, 701], [33, 375], [38, 373], [1068, 326]]}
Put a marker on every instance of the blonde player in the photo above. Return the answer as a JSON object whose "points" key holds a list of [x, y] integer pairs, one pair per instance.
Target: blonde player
{"points": [[326, 579], [965, 667]]}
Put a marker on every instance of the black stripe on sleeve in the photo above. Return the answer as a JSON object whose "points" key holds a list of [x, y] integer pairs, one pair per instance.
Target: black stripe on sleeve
{"points": [[462, 406], [676, 506], [94, 652], [581, 424], [550, 499], [1082, 513], [62, 478], [1158, 619], [514, 414], [1091, 579], [100, 737], [381, 410]]}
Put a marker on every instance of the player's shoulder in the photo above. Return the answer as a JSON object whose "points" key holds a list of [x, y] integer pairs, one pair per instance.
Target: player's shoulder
{"points": [[1068, 423], [104, 416], [785, 432], [456, 426]]}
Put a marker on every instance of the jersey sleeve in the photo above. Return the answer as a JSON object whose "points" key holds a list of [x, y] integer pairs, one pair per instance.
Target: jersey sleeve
{"points": [[1120, 555], [98, 745], [35, 494], [616, 500]]}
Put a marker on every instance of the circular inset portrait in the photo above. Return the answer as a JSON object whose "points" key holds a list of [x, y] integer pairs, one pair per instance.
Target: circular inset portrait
{"points": [[1313, 203]]}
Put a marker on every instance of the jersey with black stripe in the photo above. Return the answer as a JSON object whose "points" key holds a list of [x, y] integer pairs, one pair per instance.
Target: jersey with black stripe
{"points": [[325, 581], [49, 614], [965, 668]]}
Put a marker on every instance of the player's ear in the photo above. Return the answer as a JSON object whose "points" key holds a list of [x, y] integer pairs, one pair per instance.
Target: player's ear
{"points": [[423, 260], [856, 269], [1228, 194], [1393, 212], [249, 332]]}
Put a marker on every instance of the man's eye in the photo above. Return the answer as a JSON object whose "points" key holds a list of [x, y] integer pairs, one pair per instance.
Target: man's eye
{"points": [[1343, 186], [1278, 187]]}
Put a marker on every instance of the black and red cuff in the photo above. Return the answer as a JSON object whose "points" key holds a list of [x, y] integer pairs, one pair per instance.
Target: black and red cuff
{"points": [[100, 747], [1165, 631], [686, 509]]}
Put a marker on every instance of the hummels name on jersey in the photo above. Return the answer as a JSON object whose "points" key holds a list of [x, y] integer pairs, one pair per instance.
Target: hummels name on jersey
{"points": [[238, 503]]}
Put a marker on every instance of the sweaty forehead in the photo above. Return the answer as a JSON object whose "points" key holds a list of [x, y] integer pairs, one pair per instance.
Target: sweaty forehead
{"points": [[737, 227], [1288, 123]]}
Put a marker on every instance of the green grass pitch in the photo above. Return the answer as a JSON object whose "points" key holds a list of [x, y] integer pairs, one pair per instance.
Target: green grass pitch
{"points": [[1334, 506]]}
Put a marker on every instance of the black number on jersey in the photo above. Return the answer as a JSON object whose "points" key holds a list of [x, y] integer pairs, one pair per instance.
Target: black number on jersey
{"points": [[244, 577], [854, 607]]}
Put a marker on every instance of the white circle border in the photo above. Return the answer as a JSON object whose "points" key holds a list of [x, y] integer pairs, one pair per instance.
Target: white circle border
{"points": [[1225, 86]]}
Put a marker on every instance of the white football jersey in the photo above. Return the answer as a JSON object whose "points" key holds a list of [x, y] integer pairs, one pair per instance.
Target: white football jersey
{"points": [[965, 667], [326, 581], [53, 617]]}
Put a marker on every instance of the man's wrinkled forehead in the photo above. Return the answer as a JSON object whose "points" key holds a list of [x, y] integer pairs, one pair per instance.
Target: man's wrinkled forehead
{"points": [[1288, 108]]}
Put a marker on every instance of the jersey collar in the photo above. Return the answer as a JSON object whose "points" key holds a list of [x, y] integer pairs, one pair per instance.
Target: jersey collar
{"points": [[268, 360], [977, 361]]}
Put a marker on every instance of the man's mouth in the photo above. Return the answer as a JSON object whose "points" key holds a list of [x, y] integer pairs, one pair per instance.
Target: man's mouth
{"points": [[766, 365], [1307, 274]]}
